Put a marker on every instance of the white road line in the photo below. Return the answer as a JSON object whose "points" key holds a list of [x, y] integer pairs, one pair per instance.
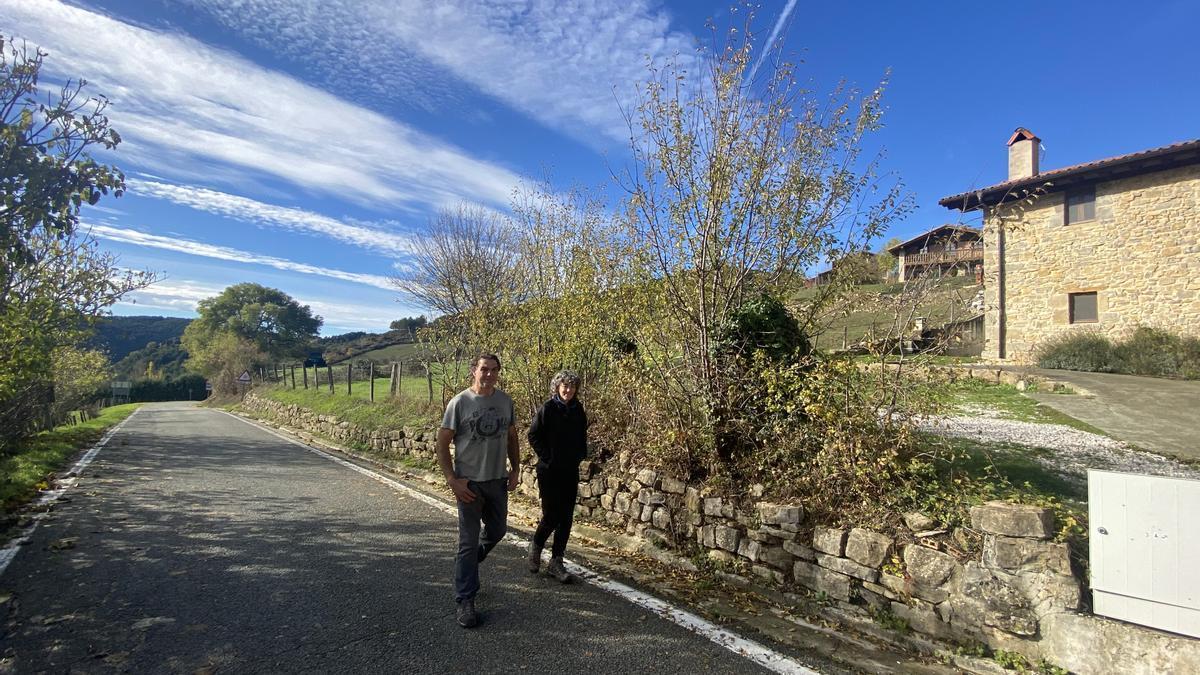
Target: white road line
{"points": [[758, 653], [10, 551]]}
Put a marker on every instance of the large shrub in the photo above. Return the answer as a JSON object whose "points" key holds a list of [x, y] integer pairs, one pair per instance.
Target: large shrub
{"points": [[1088, 351], [1147, 351]]}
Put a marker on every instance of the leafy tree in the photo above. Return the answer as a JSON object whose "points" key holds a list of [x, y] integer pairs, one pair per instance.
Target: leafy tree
{"points": [[54, 281], [737, 186], [47, 173], [247, 325], [409, 323], [277, 325]]}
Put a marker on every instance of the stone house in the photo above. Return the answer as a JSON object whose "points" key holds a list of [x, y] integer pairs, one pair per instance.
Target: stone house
{"points": [[946, 249], [1102, 246]]}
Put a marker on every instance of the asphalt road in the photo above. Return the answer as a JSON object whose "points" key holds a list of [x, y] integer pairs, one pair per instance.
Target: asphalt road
{"points": [[1152, 413], [197, 543]]}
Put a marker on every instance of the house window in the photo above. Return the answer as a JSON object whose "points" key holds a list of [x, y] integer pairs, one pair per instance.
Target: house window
{"points": [[1081, 205], [1083, 308]]}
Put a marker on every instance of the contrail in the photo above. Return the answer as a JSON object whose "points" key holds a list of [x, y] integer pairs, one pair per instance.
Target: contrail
{"points": [[787, 11]]}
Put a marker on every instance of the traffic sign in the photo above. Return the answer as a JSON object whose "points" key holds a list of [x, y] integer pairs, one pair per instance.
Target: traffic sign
{"points": [[244, 378], [207, 385]]}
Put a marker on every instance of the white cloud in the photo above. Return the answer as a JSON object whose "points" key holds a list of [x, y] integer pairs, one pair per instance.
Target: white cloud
{"points": [[288, 218], [180, 296], [234, 255], [566, 63], [177, 101]]}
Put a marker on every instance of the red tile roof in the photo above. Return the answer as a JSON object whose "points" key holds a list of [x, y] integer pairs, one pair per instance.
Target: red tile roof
{"points": [[1155, 159]]}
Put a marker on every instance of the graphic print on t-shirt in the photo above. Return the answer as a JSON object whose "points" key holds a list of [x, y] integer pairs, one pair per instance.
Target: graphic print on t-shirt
{"points": [[486, 423]]}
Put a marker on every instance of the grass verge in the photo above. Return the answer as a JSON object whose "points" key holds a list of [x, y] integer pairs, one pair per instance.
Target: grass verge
{"points": [[969, 396], [34, 463], [383, 413]]}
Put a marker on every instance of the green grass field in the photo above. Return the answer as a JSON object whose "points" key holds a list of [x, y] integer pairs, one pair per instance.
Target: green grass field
{"points": [[31, 466], [873, 307], [402, 352]]}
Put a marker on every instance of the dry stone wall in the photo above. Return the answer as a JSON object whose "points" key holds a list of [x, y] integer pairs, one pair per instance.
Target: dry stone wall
{"points": [[1018, 592], [1140, 255]]}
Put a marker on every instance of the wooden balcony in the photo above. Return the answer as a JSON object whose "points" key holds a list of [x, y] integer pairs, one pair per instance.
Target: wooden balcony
{"points": [[970, 254]]}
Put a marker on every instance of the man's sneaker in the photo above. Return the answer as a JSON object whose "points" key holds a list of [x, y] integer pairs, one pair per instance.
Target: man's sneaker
{"points": [[535, 558], [466, 614], [483, 553], [556, 569]]}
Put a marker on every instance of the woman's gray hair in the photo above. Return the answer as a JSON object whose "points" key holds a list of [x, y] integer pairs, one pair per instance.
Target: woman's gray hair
{"points": [[563, 376]]}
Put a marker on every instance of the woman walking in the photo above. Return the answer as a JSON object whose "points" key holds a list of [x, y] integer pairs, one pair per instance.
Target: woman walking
{"points": [[559, 437]]}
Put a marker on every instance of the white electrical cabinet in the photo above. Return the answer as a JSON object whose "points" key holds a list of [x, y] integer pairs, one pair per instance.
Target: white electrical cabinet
{"points": [[1145, 549]]}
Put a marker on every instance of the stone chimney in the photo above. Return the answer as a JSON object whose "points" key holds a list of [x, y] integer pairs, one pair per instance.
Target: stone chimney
{"points": [[1023, 154]]}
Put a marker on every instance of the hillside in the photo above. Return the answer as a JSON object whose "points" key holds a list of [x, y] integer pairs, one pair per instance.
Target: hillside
{"points": [[373, 346], [123, 335]]}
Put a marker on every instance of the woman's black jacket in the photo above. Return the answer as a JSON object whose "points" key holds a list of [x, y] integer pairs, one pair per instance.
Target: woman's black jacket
{"points": [[558, 435]]}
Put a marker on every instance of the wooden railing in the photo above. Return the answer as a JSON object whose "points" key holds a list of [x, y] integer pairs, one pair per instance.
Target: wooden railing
{"points": [[956, 256]]}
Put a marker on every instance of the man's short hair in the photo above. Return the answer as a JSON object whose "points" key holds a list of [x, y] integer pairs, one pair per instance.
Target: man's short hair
{"points": [[484, 357]]}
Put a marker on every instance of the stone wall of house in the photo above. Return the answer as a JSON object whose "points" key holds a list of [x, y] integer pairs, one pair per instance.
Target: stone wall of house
{"points": [[1016, 591], [1141, 255]]}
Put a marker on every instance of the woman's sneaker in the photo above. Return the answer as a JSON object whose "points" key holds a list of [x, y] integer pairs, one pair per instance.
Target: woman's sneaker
{"points": [[556, 569], [534, 560]]}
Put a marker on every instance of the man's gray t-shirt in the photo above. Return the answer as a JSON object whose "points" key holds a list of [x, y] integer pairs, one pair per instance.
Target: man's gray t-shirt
{"points": [[480, 425]]}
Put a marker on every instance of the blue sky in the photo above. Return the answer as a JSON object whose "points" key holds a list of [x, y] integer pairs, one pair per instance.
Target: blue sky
{"points": [[303, 144]]}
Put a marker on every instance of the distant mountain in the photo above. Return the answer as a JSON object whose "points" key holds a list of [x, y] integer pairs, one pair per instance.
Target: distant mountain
{"points": [[122, 335]]}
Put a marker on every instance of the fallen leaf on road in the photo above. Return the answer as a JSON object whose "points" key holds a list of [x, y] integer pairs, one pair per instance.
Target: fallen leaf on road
{"points": [[62, 544]]}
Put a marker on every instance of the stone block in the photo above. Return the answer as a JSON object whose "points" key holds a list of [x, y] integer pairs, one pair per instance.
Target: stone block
{"points": [[622, 502], [868, 548], [691, 499], [634, 510], [1091, 644], [585, 490], [761, 536], [613, 482], [673, 486], [767, 574], [777, 557], [1013, 520], [829, 540], [988, 600], [661, 519], [614, 518], [749, 549], [647, 477], [927, 567], [727, 538], [651, 496], [724, 557], [712, 506], [800, 550], [918, 522], [707, 536], [832, 584], [606, 502], [647, 513], [1017, 554], [923, 620], [848, 567], [779, 514], [881, 590]]}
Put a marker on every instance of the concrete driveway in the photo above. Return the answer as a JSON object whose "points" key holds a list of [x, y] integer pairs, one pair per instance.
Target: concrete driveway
{"points": [[1158, 415]]}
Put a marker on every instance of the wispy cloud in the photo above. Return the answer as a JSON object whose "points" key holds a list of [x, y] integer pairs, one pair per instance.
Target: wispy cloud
{"points": [[284, 217], [180, 296], [196, 248], [766, 49], [176, 100], [565, 63]]}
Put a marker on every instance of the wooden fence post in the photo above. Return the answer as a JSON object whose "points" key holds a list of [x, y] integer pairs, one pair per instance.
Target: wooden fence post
{"points": [[349, 378], [400, 378], [371, 375], [304, 374], [329, 374], [392, 380], [429, 378], [293, 377]]}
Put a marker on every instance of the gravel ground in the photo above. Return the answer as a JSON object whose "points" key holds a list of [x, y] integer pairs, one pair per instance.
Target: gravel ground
{"points": [[1072, 451]]}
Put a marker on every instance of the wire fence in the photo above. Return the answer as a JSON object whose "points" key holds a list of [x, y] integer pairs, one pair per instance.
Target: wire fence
{"points": [[410, 379]]}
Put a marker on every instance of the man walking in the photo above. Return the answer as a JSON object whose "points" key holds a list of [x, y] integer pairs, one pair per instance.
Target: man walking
{"points": [[482, 423]]}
